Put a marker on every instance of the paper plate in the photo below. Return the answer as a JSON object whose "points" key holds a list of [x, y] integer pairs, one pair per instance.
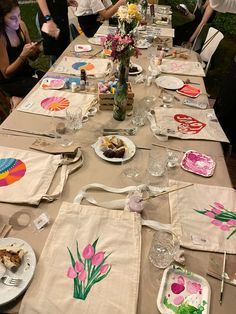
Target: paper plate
{"points": [[198, 163], [96, 40], [130, 149], [169, 82], [182, 291], [52, 83], [24, 272], [189, 90], [82, 48], [142, 44]]}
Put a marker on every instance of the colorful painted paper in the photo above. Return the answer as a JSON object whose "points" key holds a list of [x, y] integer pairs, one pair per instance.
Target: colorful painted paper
{"points": [[189, 124], [93, 67], [204, 217], [55, 102]]}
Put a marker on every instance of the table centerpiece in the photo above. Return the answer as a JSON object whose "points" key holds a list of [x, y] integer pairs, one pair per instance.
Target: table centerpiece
{"points": [[122, 46]]}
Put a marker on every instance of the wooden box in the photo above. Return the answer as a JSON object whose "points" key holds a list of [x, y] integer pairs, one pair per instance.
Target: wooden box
{"points": [[106, 100]]}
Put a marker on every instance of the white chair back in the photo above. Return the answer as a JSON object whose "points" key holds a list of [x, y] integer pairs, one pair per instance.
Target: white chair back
{"points": [[210, 45]]}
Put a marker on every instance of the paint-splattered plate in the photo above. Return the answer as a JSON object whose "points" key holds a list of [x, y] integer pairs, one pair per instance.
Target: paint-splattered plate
{"points": [[182, 291], [198, 163], [52, 83]]}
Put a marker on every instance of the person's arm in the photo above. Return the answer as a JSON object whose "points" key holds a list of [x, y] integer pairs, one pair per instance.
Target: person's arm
{"points": [[52, 29], [72, 3], [108, 12], [224, 5], [207, 14]]}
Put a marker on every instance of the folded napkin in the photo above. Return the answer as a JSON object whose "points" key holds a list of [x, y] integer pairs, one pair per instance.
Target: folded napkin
{"points": [[215, 267]]}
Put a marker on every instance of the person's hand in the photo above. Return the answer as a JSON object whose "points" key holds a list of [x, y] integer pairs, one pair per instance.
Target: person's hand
{"points": [[28, 50], [122, 2], [72, 3], [51, 29]]}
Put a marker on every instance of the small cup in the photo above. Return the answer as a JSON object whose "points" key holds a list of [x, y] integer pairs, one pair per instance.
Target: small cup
{"points": [[139, 114], [157, 162], [164, 248]]}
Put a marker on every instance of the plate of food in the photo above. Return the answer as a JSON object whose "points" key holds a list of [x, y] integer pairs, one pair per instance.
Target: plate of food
{"points": [[169, 82], [82, 48], [182, 291], [114, 148], [135, 69], [52, 83], [19, 261], [198, 163]]}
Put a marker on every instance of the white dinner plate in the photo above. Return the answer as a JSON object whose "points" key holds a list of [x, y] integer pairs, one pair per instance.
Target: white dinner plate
{"points": [[96, 40], [24, 272], [169, 82], [142, 44], [82, 48], [139, 69], [130, 151]]}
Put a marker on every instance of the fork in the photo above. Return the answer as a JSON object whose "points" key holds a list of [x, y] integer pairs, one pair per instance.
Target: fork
{"points": [[11, 281]]}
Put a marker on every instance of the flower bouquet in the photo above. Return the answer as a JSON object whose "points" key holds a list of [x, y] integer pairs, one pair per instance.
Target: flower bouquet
{"points": [[122, 47], [88, 269]]}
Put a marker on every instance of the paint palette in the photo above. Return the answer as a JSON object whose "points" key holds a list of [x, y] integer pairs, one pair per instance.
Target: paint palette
{"points": [[182, 291]]}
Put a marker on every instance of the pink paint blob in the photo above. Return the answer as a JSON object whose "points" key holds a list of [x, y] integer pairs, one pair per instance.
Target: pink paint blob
{"points": [[178, 300]]}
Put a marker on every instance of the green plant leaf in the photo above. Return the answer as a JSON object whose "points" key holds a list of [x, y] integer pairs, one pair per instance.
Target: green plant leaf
{"points": [[232, 233], [94, 244], [103, 276], [78, 253], [71, 257]]}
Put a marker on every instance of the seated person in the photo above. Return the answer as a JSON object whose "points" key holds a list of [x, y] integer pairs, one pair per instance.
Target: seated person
{"points": [[91, 13], [17, 77], [189, 31]]}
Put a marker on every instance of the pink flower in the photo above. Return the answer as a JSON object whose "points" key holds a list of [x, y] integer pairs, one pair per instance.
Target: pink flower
{"points": [[216, 222], [104, 268], [218, 205], [224, 228], [78, 266], [88, 251], [82, 276], [71, 273], [231, 222], [210, 214], [216, 210], [97, 258]]}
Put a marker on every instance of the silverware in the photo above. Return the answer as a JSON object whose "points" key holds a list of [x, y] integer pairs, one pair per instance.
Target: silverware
{"points": [[11, 281], [49, 134], [131, 131]]}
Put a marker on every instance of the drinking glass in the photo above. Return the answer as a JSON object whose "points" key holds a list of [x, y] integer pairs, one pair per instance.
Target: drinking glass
{"points": [[164, 247], [132, 169], [139, 114], [157, 161]]}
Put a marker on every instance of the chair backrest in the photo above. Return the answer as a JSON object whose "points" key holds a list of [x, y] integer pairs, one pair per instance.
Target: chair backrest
{"points": [[210, 45]]}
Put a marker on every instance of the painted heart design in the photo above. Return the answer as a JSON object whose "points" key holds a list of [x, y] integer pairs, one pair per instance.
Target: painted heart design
{"points": [[194, 287], [188, 125], [177, 288]]}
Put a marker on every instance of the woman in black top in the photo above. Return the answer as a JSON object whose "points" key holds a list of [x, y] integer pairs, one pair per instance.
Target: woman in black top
{"points": [[16, 75]]}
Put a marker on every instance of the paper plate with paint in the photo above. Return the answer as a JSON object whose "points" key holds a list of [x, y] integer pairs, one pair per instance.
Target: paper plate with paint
{"points": [[82, 48], [184, 292]]}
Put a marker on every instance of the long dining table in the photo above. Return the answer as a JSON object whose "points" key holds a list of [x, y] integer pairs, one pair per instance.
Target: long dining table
{"points": [[98, 170]]}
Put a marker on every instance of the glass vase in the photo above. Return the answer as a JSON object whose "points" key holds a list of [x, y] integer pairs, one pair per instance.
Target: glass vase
{"points": [[121, 97]]}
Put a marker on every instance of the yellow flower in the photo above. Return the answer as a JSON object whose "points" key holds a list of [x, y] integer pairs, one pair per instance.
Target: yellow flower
{"points": [[133, 11]]}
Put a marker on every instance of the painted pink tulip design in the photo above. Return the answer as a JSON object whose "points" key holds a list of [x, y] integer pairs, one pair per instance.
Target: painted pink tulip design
{"points": [[178, 287], [188, 125], [221, 217], [87, 270]]}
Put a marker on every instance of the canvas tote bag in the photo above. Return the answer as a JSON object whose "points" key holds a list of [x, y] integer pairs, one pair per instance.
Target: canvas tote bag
{"points": [[90, 264], [26, 176]]}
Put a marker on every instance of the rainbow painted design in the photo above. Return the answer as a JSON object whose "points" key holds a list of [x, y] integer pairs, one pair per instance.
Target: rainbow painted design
{"points": [[11, 170], [55, 103], [83, 65]]}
